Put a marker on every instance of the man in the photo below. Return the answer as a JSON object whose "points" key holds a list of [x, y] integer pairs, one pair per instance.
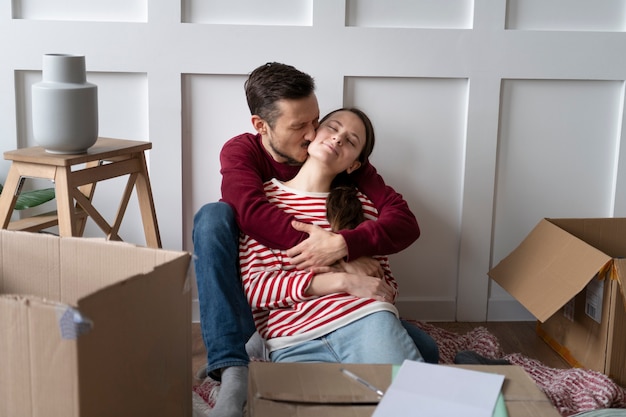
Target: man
{"points": [[285, 114]]}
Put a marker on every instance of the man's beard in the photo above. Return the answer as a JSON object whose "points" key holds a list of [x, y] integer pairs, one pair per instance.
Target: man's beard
{"points": [[288, 160]]}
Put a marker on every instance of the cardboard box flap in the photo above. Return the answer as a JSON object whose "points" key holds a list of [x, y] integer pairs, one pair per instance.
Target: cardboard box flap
{"points": [[605, 234], [548, 268], [297, 383]]}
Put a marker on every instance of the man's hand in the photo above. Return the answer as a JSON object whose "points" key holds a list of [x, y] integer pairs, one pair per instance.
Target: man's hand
{"points": [[322, 248]]}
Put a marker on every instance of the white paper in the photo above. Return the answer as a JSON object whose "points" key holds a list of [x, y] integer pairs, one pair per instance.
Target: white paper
{"points": [[422, 389]]}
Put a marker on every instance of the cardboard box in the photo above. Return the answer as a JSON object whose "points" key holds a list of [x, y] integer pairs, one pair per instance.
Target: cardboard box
{"points": [[570, 274], [93, 328], [319, 389], [313, 389], [521, 395]]}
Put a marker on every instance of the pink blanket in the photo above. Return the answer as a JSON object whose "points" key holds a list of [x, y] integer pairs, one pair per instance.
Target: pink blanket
{"points": [[571, 390]]}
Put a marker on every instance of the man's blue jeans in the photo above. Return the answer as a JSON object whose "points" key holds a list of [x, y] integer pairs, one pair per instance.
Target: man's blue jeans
{"points": [[225, 317]]}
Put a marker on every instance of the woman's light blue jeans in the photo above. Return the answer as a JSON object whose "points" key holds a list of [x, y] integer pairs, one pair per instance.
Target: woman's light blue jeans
{"points": [[376, 338]]}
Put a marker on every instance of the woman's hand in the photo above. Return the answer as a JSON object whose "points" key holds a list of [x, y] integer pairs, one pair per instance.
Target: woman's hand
{"points": [[370, 287], [365, 265], [361, 286]]}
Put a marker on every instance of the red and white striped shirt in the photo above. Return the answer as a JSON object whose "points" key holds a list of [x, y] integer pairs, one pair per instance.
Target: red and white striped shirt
{"points": [[275, 289]]}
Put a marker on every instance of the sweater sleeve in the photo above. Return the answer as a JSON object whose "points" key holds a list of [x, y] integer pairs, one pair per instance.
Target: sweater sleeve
{"points": [[268, 282], [275, 289], [244, 168], [396, 227]]}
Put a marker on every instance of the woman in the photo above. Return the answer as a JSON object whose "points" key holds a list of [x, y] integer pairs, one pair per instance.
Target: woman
{"points": [[326, 317]]}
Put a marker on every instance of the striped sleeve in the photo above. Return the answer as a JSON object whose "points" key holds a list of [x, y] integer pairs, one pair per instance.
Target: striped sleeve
{"points": [[268, 283]]}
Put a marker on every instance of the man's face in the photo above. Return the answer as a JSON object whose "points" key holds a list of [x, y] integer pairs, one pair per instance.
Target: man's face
{"points": [[293, 130]]}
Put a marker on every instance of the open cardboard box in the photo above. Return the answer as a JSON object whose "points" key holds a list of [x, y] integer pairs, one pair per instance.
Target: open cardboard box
{"points": [[93, 328], [320, 389], [570, 274]]}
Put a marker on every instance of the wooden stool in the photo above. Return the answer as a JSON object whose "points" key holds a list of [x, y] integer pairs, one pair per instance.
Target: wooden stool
{"points": [[74, 188]]}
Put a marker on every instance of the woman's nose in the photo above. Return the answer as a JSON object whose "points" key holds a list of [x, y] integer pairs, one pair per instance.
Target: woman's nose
{"points": [[338, 140]]}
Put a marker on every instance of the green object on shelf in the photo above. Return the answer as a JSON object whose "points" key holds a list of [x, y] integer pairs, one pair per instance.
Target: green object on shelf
{"points": [[29, 199]]}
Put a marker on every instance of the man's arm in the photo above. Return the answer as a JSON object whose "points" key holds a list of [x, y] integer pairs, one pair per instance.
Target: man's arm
{"points": [[396, 227], [244, 168]]}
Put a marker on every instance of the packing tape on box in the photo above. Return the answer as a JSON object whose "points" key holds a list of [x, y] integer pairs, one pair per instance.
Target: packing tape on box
{"points": [[73, 324], [608, 271]]}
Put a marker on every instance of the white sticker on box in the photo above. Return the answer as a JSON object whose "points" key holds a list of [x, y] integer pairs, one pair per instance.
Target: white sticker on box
{"points": [[73, 324], [594, 298]]}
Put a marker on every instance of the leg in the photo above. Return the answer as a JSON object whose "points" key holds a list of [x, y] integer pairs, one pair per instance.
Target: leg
{"points": [[425, 344], [225, 316], [316, 350], [376, 338]]}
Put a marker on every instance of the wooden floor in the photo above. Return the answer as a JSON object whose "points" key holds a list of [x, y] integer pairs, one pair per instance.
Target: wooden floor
{"points": [[514, 337]]}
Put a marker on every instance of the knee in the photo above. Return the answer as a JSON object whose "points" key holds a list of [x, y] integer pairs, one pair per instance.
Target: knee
{"points": [[212, 217], [423, 341], [208, 213]]}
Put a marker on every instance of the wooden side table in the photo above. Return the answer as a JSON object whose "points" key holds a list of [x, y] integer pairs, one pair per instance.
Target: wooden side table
{"points": [[75, 177]]}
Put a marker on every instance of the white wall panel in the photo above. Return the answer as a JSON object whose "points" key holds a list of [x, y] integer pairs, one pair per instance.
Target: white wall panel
{"points": [[420, 151], [249, 12], [442, 14], [95, 10], [208, 101], [566, 15]]}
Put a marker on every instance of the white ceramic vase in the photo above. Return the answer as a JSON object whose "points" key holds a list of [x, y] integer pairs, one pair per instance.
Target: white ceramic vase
{"points": [[65, 106]]}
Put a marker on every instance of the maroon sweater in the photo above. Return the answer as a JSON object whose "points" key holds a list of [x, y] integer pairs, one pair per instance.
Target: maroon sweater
{"points": [[246, 165]]}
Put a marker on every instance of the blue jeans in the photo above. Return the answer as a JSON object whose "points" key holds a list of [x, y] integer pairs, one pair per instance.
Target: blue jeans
{"points": [[376, 338], [225, 316], [424, 342]]}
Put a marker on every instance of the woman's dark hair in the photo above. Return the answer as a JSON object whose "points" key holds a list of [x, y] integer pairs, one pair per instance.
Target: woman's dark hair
{"points": [[272, 82], [343, 207]]}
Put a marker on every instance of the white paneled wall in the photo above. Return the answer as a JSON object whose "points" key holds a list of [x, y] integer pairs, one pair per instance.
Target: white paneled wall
{"points": [[490, 114]]}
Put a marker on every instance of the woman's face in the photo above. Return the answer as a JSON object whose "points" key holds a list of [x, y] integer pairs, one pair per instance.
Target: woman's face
{"points": [[339, 141]]}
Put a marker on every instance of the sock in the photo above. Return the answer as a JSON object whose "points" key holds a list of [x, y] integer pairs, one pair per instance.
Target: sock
{"points": [[468, 357], [255, 348], [233, 392]]}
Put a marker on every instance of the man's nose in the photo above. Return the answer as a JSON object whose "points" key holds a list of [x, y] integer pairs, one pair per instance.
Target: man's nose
{"points": [[310, 134]]}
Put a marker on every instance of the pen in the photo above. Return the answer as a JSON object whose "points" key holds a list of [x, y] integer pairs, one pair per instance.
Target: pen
{"points": [[362, 381]]}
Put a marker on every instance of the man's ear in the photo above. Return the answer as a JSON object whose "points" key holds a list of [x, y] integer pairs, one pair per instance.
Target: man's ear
{"points": [[259, 124], [355, 165]]}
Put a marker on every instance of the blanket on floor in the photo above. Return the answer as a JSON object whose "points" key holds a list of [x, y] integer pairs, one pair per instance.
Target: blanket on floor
{"points": [[572, 391]]}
